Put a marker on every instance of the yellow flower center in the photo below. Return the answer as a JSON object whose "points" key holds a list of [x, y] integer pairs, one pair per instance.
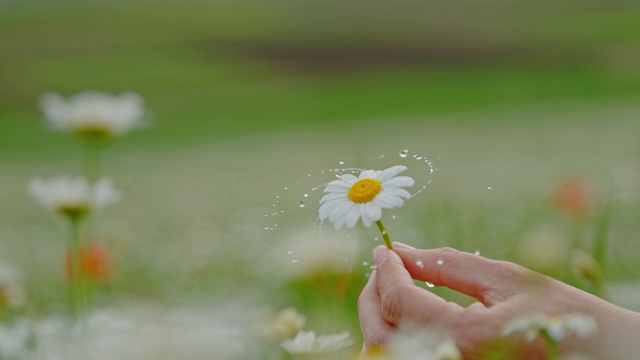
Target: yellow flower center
{"points": [[364, 190]]}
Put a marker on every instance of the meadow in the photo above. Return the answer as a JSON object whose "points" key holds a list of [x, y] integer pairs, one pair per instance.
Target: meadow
{"points": [[247, 98]]}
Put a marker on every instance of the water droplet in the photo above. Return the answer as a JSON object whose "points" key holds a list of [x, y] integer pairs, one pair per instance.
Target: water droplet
{"points": [[306, 195], [302, 204], [286, 188], [290, 252], [393, 216], [381, 157], [375, 238], [373, 267], [365, 263], [367, 275], [404, 153], [384, 232], [429, 284], [419, 157], [440, 261], [489, 187], [477, 252], [294, 260], [309, 175], [341, 162], [420, 264], [346, 259], [266, 228]]}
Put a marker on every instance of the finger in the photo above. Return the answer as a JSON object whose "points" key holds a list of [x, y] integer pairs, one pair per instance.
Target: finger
{"points": [[401, 300], [489, 281], [375, 329]]}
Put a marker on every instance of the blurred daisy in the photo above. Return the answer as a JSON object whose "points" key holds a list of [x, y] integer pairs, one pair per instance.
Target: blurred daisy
{"points": [[350, 198], [93, 113], [422, 344], [555, 327], [12, 293], [73, 197], [308, 343]]}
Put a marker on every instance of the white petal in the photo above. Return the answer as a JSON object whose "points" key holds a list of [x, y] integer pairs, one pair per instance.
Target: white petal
{"points": [[370, 213], [387, 201], [391, 172], [337, 186], [341, 210], [348, 178], [329, 207], [352, 216], [368, 174], [333, 196], [397, 182], [401, 193]]}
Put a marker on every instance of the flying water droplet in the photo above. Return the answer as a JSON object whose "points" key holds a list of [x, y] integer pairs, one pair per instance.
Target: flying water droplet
{"points": [[420, 264], [489, 187], [373, 267], [419, 157], [302, 204], [381, 157], [440, 262], [294, 261], [290, 252], [429, 284], [477, 252], [365, 263], [341, 162], [404, 153], [375, 238], [306, 195], [286, 188], [394, 216], [266, 228]]}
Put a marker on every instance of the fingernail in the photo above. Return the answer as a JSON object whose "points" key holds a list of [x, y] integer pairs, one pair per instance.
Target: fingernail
{"points": [[400, 245]]}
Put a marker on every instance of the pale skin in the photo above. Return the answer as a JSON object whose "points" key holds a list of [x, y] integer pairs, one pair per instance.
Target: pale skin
{"points": [[503, 291]]}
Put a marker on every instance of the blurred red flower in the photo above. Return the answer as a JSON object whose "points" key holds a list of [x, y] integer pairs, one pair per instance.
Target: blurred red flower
{"points": [[573, 196], [95, 262]]}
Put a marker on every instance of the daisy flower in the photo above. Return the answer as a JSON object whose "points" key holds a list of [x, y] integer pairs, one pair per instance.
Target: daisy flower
{"points": [[73, 197], [553, 328], [94, 114], [309, 343], [350, 198]]}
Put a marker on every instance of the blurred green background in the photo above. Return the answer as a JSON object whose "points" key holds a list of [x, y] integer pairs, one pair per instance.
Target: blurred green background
{"points": [[249, 97]]}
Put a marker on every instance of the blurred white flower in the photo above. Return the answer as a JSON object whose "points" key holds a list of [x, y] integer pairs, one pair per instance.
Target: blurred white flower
{"points": [[14, 340], [73, 197], [350, 198], [556, 327], [288, 322], [94, 113], [422, 344], [12, 293], [308, 343], [308, 254]]}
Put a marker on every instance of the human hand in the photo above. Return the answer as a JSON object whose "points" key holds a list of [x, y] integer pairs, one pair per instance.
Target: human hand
{"points": [[504, 290]]}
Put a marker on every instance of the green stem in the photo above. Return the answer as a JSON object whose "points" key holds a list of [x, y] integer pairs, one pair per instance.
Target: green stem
{"points": [[384, 233], [552, 346], [74, 273], [91, 150]]}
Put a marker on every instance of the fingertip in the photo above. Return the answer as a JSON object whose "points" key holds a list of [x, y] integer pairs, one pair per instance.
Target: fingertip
{"points": [[402, 246], [380, 253]]}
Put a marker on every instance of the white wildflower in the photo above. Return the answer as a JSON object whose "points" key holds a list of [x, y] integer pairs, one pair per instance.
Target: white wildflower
{"points": [[556, 327], [309, 343], [94, 113], [73, 197], [350, 198]]}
